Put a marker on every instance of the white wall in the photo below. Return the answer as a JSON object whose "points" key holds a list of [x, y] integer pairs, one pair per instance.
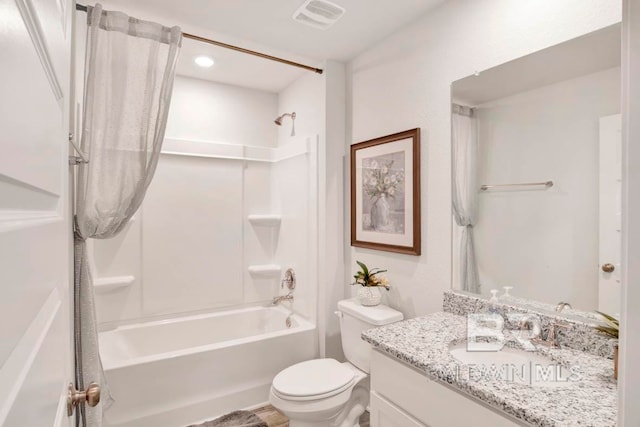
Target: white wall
{"points": [[305, 96], [334, 258], [543, 242], [404, 82], [209, 111]]}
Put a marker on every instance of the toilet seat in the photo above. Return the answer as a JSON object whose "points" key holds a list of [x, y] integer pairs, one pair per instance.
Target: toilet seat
{"points": [[312, 380]]}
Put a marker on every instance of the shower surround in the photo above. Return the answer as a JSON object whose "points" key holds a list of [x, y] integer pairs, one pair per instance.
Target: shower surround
{"points": [[233, 204], [220, 224]]}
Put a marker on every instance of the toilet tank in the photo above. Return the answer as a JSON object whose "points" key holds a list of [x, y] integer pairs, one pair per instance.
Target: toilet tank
{"points": [[356, 318]]}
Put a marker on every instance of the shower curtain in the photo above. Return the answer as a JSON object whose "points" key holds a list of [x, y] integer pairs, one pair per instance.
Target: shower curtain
{"points": [[464, 188], [129, 72]]}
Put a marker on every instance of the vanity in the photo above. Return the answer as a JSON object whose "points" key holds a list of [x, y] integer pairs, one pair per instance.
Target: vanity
{"points": [[418, 378], [403, 396]]}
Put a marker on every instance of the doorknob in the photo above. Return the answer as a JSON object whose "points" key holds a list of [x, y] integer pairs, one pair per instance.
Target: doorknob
{"points": [[608, 267], [75, 398]]}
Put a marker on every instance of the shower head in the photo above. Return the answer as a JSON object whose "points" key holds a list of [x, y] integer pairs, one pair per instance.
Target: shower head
{"points": [[279, 119]]}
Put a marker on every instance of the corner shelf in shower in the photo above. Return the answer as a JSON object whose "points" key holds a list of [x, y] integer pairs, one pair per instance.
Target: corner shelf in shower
{"points": [[266, 270], [108, 284], [265, 220]]}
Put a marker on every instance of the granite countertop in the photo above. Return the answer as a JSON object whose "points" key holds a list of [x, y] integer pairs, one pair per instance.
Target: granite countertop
{"points": [[590, 399]]}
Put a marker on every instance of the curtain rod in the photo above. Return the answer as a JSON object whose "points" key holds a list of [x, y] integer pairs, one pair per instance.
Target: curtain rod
{"points": [[83, 8]]}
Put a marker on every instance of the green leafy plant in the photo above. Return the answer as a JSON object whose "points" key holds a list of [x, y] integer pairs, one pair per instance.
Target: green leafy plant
{"points": [[366, 277], [611, 326]]}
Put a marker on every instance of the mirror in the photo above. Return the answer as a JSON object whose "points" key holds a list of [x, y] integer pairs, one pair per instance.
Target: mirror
{"points": [[536, 149]]}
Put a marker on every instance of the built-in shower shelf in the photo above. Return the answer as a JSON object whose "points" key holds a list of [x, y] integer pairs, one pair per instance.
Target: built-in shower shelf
{"points": [[267, 270], [265, 220], [108, 284]]}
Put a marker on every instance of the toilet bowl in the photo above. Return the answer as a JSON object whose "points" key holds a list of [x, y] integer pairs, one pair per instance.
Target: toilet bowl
{"points": [[317, 392], [325, 392]]}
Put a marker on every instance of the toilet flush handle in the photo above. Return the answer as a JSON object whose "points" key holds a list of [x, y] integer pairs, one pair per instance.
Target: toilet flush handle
{"points": [[338, 313]]}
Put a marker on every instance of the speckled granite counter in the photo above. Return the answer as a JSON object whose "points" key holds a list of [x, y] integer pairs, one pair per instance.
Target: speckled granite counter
{"points": [[589, 400], [581, 334]]}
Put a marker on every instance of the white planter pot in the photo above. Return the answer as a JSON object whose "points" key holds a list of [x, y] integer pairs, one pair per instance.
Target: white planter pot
{"points": [[369, 295]]}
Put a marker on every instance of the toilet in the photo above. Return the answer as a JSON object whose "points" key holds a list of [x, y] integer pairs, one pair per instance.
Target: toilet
{"points": [[325, 392]]}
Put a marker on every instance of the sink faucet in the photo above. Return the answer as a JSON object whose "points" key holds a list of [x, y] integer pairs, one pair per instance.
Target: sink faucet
{"points": [[562, 305], [534, 321], [277, 300], [552, 335], [528, 322]]}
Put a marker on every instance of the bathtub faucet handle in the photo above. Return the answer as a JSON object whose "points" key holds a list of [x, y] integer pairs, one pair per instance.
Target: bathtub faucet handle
{"points": [[289, 279]]}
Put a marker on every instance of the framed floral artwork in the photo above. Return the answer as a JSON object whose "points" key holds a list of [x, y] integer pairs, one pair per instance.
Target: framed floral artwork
{"points": [[385, 193]]}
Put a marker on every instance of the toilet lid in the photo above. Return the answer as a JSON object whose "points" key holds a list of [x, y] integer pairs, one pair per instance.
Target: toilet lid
{"points": [[313, 378]]}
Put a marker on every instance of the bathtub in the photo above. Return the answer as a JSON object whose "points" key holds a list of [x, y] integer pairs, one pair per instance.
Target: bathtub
{"points": [[175, 372]]}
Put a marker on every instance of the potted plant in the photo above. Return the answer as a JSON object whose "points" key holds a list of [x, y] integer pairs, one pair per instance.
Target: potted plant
{"points": [[611, 328], [370, 282]]}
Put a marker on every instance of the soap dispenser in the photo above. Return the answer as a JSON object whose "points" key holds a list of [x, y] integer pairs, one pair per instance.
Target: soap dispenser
{"points": [[485, 328], [493, 302], [506, 294]]}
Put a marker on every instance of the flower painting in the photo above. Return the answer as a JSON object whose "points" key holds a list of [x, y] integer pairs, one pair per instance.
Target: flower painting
{"points": [[383, 188], [385, 202]]}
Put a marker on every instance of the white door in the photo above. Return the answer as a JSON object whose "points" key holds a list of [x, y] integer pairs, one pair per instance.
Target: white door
{"points": [[609, 283], [35, 235]]}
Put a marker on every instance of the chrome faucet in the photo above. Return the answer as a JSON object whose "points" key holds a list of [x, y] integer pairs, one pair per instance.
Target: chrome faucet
{"points": [[277, 300], [527, 341], [552, 335], [534, 321], [562, 305], [290, 281]]}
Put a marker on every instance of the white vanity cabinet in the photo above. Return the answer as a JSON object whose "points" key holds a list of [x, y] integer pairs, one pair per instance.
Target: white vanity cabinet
{"points": [[403, 397]]}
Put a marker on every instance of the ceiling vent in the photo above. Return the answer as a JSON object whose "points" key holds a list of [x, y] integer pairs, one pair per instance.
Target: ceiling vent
{"points": [[318, 13]]}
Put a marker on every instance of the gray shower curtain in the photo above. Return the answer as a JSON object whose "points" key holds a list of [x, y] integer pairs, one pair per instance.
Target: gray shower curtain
{"points": [[465, 191], [129, 72]]}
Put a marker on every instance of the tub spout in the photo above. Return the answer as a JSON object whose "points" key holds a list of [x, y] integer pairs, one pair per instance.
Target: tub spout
{"points": [[277, 300]]}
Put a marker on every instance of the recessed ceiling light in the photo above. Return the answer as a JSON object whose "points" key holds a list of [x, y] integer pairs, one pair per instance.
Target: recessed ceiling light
{"points": [[204, 61]]}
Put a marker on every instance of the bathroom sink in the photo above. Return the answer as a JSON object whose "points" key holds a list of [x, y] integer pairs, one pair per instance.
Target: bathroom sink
{"points": [[512, 365]]}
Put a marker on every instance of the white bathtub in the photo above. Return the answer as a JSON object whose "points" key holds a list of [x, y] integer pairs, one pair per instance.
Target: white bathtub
{"points": [[175, 372]]}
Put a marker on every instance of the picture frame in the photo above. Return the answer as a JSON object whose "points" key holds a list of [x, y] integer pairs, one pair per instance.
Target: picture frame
{"points": [[385, 193]]}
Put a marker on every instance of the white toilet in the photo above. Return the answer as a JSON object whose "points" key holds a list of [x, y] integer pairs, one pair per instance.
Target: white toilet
{"points": [[325, 392]]}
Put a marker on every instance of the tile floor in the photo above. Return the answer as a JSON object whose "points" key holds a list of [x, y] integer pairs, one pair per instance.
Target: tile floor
{"points": [[272, 416], [275, 419]]}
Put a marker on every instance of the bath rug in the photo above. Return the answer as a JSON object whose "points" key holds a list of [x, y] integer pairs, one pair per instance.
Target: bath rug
{"points": [[235, 419]]}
